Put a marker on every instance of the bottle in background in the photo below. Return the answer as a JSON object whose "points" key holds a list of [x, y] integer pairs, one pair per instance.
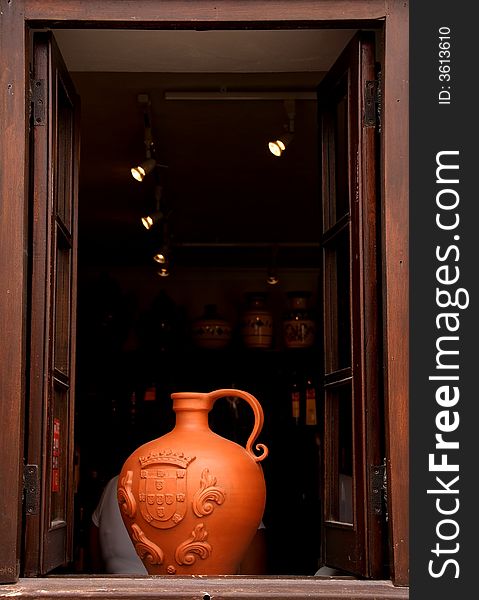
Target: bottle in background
{"points": [[311, 416], [295, 399]]}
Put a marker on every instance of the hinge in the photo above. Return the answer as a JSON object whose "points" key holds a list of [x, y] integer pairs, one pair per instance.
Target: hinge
{"points": [[377, 488], [31, 487], [379, 99], [39, 102], [371, 103], [30, 97]]}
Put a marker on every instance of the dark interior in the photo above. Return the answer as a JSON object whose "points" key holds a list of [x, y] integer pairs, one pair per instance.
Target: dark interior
{"points": [[234, 211]]}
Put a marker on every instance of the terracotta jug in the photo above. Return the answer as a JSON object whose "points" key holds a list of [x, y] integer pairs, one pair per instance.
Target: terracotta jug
{"points": [[210, 330], [299, 326], [257, 322], [192, 500]]}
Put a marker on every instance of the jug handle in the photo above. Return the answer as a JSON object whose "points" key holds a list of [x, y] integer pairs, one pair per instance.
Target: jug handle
{"points": [[258, 419]]}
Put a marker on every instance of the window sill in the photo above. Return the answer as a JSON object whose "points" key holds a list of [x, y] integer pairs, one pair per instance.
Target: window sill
{"points": [[202, 588]]}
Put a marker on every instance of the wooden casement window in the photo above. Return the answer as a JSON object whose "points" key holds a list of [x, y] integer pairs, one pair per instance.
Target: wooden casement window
{"points": [[353, 439], [54, 181], [351, 392]]}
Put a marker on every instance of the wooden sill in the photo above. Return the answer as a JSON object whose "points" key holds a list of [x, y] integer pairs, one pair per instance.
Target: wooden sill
{"points": [[201, 588]]}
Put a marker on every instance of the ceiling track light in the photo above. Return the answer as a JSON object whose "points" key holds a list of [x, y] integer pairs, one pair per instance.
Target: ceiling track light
{"points": [[162, 252], [152, 219], [272, 277], [155, 217], [225, 94], [139, 172], [279, 145], [164, 272], [160, 257], [142, 170]]}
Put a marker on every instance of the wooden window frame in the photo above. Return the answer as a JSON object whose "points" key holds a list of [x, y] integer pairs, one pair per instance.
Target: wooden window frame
{"points": [[17, 18]]}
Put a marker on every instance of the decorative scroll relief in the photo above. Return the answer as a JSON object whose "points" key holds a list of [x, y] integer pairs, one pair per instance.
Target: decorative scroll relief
{"points": [[145, 548], [162, 490], [207, 494], [196, 544], [126, 499]]}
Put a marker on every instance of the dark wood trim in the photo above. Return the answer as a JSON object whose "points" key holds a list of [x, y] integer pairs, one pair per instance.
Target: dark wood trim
{"points": [[373, 444], [356, 199], [198, 588], [395, 219], [13, 259], [144, 13]]}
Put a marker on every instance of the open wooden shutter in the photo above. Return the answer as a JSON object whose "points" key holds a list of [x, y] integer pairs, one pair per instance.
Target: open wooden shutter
{"points": [[50, 406], [353, 428]]}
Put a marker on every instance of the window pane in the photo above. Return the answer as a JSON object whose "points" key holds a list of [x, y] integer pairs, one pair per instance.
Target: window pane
{"points": [[341, 152], [64, 158], [337, 317], [62, 304], [335, 163], [58, 459], [339, 458]]}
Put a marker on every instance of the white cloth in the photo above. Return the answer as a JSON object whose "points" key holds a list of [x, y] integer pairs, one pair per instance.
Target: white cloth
{"points": [[117, 549]]}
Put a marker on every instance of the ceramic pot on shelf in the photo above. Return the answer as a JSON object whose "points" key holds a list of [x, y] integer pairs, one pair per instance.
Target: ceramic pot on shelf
{"points": [[257, 322], [211, 330], [192, 500], [299, 325]]}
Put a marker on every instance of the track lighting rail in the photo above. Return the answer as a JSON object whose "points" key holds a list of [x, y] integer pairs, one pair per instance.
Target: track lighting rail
{"points": [[247, 244], [257, 95]]}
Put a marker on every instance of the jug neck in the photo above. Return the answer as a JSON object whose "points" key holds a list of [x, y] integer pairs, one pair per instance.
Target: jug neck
{"points": [[192, 410]]}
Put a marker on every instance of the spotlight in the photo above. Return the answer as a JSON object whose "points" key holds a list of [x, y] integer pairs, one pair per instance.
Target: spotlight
{"points": [[272, 277], [279, 146], [149, 220], [163, 272], [162, 252], [160, 257], [140, 171]]}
